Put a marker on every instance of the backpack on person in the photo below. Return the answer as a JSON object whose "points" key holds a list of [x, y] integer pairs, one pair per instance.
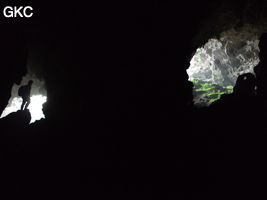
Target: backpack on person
{"points": [[22, 90]]}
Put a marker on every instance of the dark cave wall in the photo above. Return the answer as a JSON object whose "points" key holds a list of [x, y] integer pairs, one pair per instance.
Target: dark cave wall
{"points": [[147, 57], [55, 66], [13, 59], [261, 70], [123, 63], [129, 64], [125, 66]]}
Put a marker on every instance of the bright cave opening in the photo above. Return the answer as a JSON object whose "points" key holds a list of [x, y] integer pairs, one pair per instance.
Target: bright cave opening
{"points": [[38, 98], [215, 67]]}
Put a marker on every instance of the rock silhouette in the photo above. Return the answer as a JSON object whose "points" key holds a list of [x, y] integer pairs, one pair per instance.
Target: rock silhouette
{"points": [[16, 120]]}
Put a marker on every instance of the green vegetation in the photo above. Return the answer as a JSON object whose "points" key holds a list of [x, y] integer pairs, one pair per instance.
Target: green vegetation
{"points": [[204, 87], [194, 82], [215, 99], [214, 93], [209, 92], [230, 89]]}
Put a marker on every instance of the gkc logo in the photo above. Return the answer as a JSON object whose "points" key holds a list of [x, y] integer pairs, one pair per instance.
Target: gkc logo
{"points": [[15, 11]]}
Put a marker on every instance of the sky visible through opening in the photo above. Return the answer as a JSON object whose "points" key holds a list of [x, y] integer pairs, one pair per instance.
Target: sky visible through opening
{"points": [[38, 98], [215, 67]]}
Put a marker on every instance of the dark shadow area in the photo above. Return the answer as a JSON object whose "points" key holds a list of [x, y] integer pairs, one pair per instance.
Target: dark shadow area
{"points": [[119, 117], [16, 120]]}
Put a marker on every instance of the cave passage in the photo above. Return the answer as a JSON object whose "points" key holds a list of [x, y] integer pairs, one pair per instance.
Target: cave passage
{"points": [[215, 67], [38, 98]]}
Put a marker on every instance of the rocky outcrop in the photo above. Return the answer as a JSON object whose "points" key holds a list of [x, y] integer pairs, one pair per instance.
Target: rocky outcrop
{"points": [[16, 120], [222, 61]]}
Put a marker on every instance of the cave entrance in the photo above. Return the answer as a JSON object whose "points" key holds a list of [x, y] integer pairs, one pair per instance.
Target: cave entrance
{"points": [[38, 98], [215, 67]]}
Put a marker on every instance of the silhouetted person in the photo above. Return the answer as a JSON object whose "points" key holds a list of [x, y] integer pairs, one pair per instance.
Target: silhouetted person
{"points": [[25, 91]]}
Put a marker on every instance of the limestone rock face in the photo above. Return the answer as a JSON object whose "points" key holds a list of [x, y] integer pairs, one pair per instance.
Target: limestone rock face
{"points": [[221, 61]]}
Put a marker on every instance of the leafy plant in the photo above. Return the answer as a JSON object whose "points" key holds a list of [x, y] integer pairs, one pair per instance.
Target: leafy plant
{"points": [[210, 92]]}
